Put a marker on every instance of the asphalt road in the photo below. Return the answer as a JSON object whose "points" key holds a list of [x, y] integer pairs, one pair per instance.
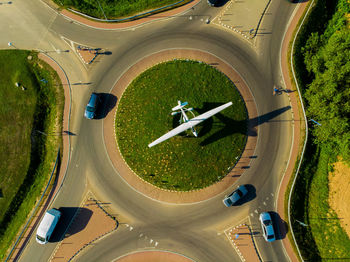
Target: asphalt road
{"points": [[195, 230]]}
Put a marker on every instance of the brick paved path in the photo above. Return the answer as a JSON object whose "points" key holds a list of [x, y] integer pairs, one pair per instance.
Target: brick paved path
{"points": [[242, 239], [96, 223], [153, 256]]}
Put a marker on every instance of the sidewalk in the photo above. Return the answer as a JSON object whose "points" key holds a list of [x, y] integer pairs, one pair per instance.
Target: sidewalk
{"points": [[298, 121]]}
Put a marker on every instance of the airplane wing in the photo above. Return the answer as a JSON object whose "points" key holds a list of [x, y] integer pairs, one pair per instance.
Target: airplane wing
{"points": [[196, 120], [192, 122], [171, 133]]}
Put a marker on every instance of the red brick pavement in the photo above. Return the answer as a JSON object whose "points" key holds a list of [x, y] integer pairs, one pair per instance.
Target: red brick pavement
{"points": [[299, 125], [242, 239], [95, 222], [153, 256]]}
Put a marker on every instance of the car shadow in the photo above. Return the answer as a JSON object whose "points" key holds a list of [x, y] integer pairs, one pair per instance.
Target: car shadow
{"points": [[281, 226], [248, 197], [221, 3], [107, 103], [66, 227]]}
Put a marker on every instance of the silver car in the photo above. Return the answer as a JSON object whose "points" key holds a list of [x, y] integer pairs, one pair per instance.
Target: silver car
{"points": [[235, 196], [267, 227]]}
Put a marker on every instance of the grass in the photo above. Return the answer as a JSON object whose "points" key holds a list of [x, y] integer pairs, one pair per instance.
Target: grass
{"points": [[114, 8], [182, 162], [28, 156], [331, 240], [323, 238]]}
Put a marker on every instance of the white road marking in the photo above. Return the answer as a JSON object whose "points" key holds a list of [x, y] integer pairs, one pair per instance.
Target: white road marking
{"points": [[264, 203], [251, 214], [141, 235], [156, 244], [151, 241], [131, 228], [256, 211]]}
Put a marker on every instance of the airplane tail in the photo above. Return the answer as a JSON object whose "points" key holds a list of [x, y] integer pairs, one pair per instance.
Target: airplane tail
{"points": [[179, 106]]}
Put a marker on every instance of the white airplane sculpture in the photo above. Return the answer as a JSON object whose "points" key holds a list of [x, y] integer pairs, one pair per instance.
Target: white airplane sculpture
{"points": [[188, 123]]}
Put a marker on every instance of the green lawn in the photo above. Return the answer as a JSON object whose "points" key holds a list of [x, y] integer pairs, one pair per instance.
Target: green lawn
{"points": [[323, 238], [182, 162], [331, 240], [27, 155], [114, 8]]}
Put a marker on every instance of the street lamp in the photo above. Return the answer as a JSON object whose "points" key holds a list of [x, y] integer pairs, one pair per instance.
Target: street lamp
{"points": [[317, 123], [301, 223]]}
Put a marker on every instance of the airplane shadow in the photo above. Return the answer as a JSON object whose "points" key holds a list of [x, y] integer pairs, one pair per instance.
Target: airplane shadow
{"points": [[229, 126], [226, 126]]}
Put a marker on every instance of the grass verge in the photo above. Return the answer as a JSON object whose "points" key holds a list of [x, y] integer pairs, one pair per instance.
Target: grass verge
{"points": [[116, 9], [31, 119], [322, 238], [183, 162]]}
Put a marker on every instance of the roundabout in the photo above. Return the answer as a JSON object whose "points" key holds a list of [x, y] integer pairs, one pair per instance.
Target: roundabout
{"points": [[189, 196], [193, 223]]}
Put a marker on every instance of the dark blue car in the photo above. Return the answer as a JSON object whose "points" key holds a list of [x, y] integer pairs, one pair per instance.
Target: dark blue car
{"points": [[90, 110]]}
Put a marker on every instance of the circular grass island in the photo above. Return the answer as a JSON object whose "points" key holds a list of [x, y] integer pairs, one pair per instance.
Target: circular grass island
{"points": [[183, 162]]}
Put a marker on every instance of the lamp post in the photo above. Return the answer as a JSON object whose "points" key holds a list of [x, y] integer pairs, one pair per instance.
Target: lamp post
{"points": [[301, 223], [317, 123], [102, 9]]}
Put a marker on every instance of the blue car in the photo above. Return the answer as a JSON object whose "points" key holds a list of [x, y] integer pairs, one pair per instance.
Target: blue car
{"points": [[90, 110], [267, 227], [235, 196]]}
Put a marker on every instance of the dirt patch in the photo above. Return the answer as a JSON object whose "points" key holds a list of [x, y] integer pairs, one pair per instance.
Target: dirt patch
{"points": [[339, 193]]}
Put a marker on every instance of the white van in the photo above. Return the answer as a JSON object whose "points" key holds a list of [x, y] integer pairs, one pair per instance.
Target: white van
{"points": [[47, 225]]}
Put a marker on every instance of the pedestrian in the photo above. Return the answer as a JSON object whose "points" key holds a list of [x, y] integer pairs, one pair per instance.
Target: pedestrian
{"points": [[275, 90]]}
